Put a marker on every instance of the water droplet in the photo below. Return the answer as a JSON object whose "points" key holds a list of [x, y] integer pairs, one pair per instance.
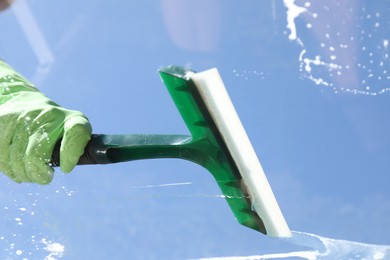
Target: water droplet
{"points": [[385, 43]]}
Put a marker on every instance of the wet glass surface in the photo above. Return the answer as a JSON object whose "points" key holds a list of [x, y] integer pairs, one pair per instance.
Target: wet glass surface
{"points": [[309, 79]]}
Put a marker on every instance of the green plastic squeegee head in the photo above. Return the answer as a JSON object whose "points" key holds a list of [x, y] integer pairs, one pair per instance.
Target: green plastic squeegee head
{"points": [[218, 142]]}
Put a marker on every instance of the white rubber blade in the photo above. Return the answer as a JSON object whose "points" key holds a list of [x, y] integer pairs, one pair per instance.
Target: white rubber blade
{"points": [[217, 100]]}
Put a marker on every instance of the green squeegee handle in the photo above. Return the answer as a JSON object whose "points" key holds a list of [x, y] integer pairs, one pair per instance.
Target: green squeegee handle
{"points": [[106, 149], [205, 146]]}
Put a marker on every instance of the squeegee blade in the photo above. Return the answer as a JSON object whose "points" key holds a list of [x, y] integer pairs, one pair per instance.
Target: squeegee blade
{"points": [[213, 92]]}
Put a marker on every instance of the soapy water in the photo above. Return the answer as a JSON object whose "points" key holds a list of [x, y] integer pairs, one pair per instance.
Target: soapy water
{"points": [[20, 235], [55, 250], [344, 44], [321, 248]]}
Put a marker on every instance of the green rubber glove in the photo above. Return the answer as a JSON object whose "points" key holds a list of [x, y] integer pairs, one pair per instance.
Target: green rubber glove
{"points": [[30, 126]]}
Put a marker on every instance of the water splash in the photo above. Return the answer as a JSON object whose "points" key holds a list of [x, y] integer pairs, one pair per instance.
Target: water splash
{"points": [[321, 248], [344, 46], [293, 12], [21, 232], [56, 250]]}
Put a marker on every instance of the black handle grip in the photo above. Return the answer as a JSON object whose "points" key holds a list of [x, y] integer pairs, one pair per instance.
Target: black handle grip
{"points": [[95, 152]]}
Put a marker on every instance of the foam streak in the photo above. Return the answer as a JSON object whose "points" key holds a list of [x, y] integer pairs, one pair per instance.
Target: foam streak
{"points": [[322, 248]]}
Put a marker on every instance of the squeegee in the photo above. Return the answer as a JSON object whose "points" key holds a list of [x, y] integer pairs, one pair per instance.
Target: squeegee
{"points": [[217, 141]]}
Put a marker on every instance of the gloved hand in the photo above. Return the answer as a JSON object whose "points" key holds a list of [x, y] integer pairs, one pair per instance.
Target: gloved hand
{"points": [[30, 126]]}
